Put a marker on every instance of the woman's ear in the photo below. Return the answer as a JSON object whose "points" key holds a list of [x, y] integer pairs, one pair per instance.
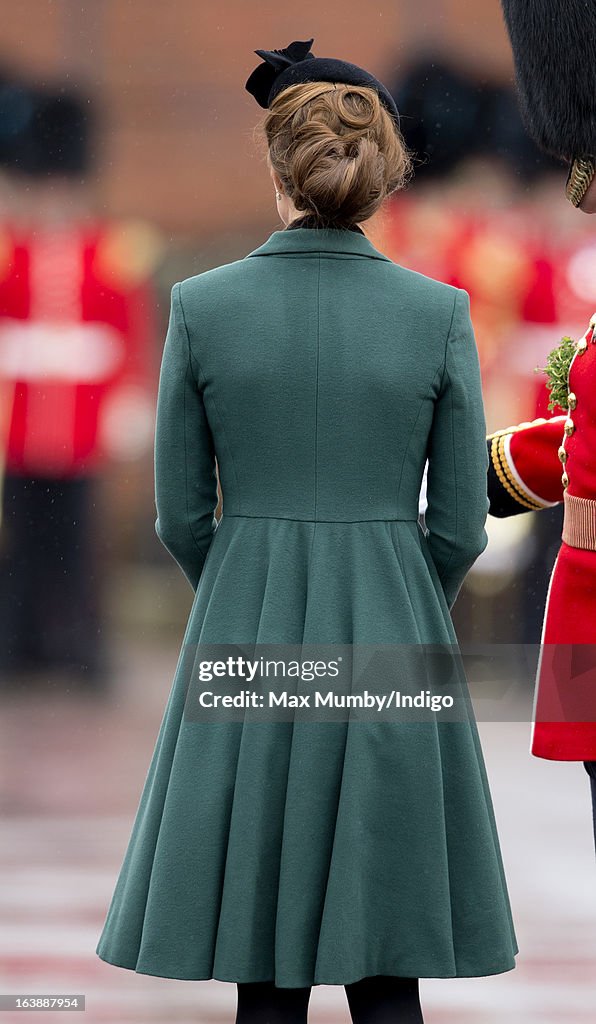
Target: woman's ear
{"points": [[275, 178], [274, 175]]}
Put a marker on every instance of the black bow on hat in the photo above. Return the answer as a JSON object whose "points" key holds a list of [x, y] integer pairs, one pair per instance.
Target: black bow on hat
{"points": [[295, 63]]}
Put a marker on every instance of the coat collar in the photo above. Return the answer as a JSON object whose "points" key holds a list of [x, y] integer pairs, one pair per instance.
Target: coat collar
{"points": [[318, 240]]}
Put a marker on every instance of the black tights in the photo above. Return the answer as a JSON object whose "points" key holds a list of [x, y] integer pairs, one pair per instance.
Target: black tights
{"points": [[376, 1000]]}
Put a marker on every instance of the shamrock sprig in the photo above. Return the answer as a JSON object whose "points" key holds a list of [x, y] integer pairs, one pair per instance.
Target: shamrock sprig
{"points": [[557, 371]]}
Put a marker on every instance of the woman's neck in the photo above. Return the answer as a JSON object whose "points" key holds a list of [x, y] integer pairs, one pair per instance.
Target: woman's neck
{"points": [[308, 220]]}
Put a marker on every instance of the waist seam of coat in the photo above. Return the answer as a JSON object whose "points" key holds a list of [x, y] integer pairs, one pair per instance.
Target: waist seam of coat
{"points": [[308, 519]]}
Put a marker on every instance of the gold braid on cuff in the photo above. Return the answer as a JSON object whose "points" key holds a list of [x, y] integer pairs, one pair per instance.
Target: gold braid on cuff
{"points": [[579, 179]]}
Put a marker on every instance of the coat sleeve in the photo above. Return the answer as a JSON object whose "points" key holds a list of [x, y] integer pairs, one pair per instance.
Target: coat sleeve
{"points": [[184, 460], [457, 458]]}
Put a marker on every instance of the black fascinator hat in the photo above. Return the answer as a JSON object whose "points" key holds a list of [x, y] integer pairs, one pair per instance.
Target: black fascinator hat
{"points": [[295, 63]]}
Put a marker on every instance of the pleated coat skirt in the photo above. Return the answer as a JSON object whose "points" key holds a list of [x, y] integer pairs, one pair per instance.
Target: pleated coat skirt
{"points": [[318, 378]]}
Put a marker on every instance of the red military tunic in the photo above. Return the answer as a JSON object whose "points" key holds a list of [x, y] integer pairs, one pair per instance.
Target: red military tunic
{"points": [[567, 672], [76, 328], [532, 466]]}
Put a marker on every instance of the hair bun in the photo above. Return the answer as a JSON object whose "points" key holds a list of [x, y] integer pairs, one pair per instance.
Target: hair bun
{"points": [[336, 149]]}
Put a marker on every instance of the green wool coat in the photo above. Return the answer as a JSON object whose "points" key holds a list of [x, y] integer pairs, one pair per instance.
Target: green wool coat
{"points": [[319, 376]]}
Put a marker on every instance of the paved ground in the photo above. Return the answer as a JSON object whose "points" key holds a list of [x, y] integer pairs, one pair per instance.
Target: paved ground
{"points": [[72, 771]]}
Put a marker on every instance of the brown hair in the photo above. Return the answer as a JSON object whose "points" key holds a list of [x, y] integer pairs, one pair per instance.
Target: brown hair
{"points": [[336, 149]]}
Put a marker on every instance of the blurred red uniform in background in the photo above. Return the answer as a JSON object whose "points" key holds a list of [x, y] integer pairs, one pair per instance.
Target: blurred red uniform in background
{"points": [[76, 338]]}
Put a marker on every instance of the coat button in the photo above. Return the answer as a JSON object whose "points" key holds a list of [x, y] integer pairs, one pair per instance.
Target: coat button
{"points": [[569, 427], [562, 455], [572, 400], [565, 480]]}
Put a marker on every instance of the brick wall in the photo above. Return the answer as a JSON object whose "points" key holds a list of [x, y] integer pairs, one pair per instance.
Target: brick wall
{"points": [[175, 141]]}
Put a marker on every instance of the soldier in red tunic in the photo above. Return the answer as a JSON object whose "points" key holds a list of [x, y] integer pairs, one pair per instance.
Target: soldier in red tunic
{"points": [[553, 50], [76, 326], [532, 466]]}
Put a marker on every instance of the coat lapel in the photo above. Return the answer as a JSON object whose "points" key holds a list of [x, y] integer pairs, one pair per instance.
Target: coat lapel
{"points": [[314, 241]]}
